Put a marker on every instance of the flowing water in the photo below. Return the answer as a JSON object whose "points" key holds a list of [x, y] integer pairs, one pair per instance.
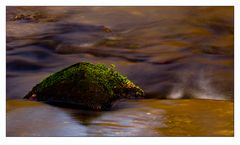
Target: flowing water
{"points": [[180, 53]]}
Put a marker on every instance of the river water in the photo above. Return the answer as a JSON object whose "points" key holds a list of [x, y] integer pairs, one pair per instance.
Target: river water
{"points": [[178, 55]]}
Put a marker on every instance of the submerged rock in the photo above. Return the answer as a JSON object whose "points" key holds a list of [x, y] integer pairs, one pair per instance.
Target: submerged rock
{"points": [[34, 17], [87, 85]]}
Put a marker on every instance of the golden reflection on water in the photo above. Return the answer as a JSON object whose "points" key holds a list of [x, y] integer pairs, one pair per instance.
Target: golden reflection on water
{"points": [[133, 118]]}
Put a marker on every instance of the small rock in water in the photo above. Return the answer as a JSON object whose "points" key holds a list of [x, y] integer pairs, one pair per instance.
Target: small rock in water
{"points": [[34, 17], [92, 86], [106, 29]]}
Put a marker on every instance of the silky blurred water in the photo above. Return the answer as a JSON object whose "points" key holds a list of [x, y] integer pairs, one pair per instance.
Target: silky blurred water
{"points": [[170, 52]]}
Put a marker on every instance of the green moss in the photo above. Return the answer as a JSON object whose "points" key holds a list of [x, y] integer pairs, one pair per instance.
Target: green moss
{"points": [[87, 84]]}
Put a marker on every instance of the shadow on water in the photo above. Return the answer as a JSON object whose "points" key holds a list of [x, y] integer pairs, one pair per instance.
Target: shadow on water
{"points": [[87, 117]]}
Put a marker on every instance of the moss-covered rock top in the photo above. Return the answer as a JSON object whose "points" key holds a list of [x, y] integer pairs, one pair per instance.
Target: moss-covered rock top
{"points": [[93, 86]]}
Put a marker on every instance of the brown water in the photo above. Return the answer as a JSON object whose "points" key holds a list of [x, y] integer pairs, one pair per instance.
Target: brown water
{"points": [[170, 52]]}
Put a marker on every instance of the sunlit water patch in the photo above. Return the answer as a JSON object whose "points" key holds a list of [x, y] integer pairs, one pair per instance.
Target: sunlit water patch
{"points": [[127, 118]]}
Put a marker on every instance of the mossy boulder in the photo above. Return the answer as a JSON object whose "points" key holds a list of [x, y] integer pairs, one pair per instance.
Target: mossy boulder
{"points": [[92, 86]]}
